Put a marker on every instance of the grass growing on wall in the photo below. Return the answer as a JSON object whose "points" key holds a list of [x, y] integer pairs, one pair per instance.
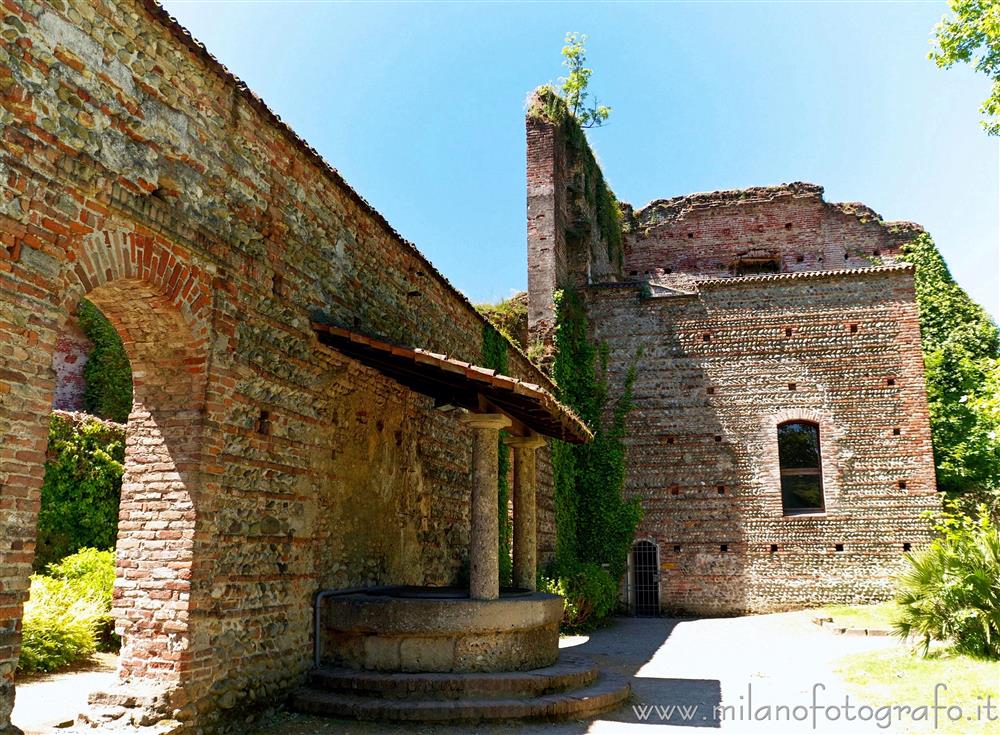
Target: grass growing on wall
{"points": [[495, 357]]}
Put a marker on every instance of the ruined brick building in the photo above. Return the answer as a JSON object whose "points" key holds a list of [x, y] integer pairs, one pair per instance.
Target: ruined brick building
{"points": [[286, 438], [261, 463], [780, 443]]}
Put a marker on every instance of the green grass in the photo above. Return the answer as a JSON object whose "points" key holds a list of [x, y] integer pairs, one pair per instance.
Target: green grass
{"points": [[860, 616], [896, 676]]}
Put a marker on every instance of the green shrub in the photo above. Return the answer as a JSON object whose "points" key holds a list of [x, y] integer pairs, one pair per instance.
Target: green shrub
{"points": [[589, 593], [951, 592], [82, 487], [68, 613], [107, 376]]}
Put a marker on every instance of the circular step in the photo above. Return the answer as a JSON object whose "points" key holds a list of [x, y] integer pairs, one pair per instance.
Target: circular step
{"points": [[570, 672], [606, 693]]}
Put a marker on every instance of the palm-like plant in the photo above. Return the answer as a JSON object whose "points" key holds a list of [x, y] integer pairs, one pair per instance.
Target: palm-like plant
{"points": [[951, 592]]}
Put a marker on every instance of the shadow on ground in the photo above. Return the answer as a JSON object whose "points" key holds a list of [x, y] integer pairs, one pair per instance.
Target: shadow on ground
{"points": [[625, 647]]}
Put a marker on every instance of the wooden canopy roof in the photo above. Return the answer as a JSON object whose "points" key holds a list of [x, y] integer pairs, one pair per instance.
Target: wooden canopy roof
{"points": [[454, 382]]}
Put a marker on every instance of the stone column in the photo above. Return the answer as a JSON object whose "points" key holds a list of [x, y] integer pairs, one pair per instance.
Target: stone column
{"points": [[525, 530], [484, 539]]}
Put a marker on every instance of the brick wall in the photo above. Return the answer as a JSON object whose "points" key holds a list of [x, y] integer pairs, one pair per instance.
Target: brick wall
{"points": [[724, 357], [260, 466], [70, 357], [702, 444]]}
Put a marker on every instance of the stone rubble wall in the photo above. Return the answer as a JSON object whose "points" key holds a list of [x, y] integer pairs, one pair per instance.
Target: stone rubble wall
{"points": [[704, 464], [260, 466], [702, 442]]}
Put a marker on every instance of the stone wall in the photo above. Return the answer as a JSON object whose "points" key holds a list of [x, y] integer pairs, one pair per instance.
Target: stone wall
{"points": [[260, 466], [702, 439]]}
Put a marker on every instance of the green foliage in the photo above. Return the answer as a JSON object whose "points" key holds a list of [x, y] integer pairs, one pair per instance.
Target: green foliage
{"points": [[495, 356], [961, 349], [82, 487], [510, 317], [68, 613], [575, 84], [951, 592], [108, 374], [972, 36], [594, 522], [589, 593]]}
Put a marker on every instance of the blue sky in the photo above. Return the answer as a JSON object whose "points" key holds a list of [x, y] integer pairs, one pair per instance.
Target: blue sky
{"points": [[420, 106]]}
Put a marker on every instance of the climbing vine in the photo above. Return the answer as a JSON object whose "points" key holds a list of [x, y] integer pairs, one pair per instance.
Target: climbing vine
{"points": [[594, 522], [495, 357], [107, 375]]}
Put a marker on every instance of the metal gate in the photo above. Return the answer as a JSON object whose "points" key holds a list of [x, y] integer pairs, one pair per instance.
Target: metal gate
{"points": [[646, 573]]}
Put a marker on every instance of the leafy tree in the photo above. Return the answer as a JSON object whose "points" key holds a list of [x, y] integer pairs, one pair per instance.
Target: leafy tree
{"points": [[575, 84], [107, 375], [972, 36], [961, 349]]}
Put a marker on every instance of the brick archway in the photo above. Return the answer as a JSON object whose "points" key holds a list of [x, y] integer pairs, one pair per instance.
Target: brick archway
{"points": [[156, 301], [159, 303]]}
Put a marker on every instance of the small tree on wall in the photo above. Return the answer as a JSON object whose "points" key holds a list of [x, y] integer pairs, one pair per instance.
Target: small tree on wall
{"points": [[574, 86]]}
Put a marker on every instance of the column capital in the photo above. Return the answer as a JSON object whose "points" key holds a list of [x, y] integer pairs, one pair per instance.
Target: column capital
{"points": [[485, 420], [525, 442]]}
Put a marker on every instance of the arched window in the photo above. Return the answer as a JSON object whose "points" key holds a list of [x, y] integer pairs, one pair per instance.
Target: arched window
{"points": [[801, 469]]}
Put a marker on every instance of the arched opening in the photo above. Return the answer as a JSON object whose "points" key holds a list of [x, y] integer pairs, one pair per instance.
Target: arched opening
{"points": [[157, 509], [645, 579], [800, 467]]}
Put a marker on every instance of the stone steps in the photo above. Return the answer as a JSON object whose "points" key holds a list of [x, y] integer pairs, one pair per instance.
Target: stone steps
{"points": [[569, 672], [572, 688]]}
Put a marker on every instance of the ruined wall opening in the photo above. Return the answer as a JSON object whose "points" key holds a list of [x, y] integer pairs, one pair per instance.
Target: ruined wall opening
{"points": [[157, 506]]}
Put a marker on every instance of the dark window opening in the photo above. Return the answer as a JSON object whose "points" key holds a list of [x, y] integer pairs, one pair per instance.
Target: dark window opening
{"points": [[774, 548], [890, 382], [838, 547], [264, 423], [675, 490], [896, 432], [791, 386], [721, 489], [788, 331], [710, 391], [723, 548], [756, 266], [800, 467], [718, 438], [677, 548], [906, 546], [854, 329], [902, 484]]}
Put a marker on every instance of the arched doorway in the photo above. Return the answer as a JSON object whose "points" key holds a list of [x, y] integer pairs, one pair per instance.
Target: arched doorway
{"points": [[646, 579], [158, 306]]}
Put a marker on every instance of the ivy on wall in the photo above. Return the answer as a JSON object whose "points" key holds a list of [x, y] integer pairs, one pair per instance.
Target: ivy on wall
{"points": [[961, 347], [107, 375], [594, 522], [495, 357], [82, 487]]}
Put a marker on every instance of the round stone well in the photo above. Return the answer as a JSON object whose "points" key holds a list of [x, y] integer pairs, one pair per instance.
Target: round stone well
{"points": [[428, 629]]}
